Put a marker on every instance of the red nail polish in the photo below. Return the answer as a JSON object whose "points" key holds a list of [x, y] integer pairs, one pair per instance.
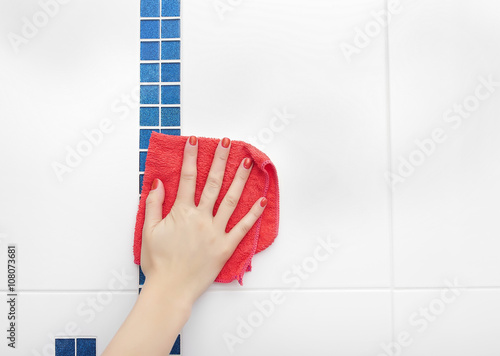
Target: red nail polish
{"points": [[225, 142], [192, 140], [155, 184], [263, 202], [247, 163]]}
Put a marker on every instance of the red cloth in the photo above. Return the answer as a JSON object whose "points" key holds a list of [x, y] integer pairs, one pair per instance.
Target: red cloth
{"points": [[164, 161]]}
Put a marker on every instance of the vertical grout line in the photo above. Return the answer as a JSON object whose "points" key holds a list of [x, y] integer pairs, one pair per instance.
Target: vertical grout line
{"points": [[389, 164], [160, 69]]}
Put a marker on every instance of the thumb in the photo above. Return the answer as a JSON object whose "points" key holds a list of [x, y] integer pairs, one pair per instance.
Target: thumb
{"points": [[154, 205]]}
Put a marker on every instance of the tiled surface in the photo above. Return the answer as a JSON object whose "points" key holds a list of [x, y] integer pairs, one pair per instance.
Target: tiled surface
{"points": [[272, 73], [332, 153], [448, 322], [44, 316], [445, 211], [65, 81], [294, 323]]}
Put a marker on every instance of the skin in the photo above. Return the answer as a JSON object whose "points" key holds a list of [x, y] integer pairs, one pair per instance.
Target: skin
{"points": [[182, 254]]}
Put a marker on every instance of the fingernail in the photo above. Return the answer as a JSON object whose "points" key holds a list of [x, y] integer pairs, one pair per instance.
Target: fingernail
{"points": [[263, 202], [225, 142], [192, 140], [155, 184], [247, 163]]}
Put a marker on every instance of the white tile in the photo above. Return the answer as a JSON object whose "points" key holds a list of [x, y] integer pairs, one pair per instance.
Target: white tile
{"points": [[302, 323], [285, 56], [78, 70], [433, 325], [446, 208], [43, 316]]}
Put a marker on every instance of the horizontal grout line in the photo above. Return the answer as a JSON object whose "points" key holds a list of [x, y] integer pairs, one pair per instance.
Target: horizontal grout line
{"points": [[160, 39], [161, 18], [157, 83], [242, 289], [161, 127], [149, 61], [75, 291]]}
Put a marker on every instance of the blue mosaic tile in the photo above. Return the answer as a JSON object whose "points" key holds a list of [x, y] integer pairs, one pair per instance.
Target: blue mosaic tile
{"points": [[142, 161], [170, 116], [150, 50], [170, 8], [65, 347], [176, 349], [170, 29], [150, 72], [144, 136], [170, 50], [170, 94], [150, 8], [149, 116], [170, 72], [85, 347], [150, 29], [173, 132], [150, 94]]}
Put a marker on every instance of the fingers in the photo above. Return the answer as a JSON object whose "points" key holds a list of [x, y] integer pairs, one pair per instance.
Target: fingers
{"points": [[187, 182], [233, 194], [154, 205], [215, 176], [245, 224]]}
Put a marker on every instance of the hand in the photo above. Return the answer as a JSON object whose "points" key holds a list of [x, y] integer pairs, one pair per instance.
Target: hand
{"points": [[188, 248]]}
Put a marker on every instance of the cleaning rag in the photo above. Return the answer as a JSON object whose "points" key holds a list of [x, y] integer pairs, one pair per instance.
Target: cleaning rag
{"points": [[164, 161]]}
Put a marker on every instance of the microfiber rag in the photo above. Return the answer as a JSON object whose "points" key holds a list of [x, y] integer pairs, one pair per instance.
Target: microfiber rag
{"points": [[164, 161]]}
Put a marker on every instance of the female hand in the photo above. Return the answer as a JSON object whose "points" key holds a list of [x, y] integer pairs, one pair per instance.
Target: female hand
{"points": [[188, 248]]}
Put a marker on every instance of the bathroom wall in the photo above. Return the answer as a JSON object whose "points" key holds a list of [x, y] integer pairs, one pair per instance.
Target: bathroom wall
{"points": [[381, 118]]}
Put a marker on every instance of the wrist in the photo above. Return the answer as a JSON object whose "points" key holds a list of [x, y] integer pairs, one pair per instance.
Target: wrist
{"points": [[166, 296]]}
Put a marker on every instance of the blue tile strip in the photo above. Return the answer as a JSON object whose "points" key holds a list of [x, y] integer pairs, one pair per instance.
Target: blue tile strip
{"points": [[160, 77], [84, 346], [65, 347]]}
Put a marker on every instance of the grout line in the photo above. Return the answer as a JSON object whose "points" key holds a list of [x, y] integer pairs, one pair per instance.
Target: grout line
{"points": [[270, 289], [389, 163]]}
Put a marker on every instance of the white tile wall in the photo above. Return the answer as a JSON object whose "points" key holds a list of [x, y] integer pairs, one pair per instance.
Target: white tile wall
{"points": [[351, 121], [42, 316], [302, 322], [447, 322], [285, 56], [445, 210]]}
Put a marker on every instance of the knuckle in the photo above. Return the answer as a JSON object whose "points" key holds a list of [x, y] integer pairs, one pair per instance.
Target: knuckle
{"points": [[188, 175], [230, 201], [213, 183], [245, 228]]}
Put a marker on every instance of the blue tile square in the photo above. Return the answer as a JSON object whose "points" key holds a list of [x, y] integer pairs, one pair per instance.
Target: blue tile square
{"points": [[150, 72], [170, 94], [149, 116], [173, 132], [170, 72], [150, 94], [176, 349], [171, 50], [65, 347], [150, 8], [170, 116], [170, 29], [141, 180], [142, 161], [142, 277], [144, 136], [85, 347], [150, 28], [170, 8], [150, 50]]}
